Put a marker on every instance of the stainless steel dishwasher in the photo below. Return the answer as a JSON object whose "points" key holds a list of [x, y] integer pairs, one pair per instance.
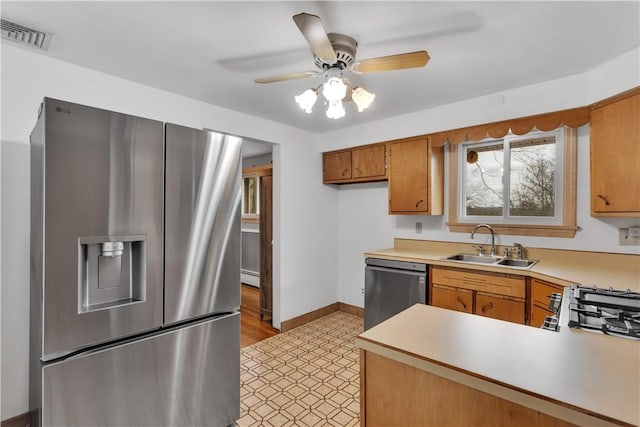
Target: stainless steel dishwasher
{"points": [[390, 287]]}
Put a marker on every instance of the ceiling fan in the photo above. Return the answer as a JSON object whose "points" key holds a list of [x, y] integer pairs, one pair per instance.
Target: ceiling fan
{"points": [[333, 54]]}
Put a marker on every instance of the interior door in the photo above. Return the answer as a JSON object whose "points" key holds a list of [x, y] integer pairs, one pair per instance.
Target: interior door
{"points": [[202, 223], [266, 246]]}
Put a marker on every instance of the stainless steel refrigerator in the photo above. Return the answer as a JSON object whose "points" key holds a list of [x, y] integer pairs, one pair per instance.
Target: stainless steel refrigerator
{"points": [[135, 271]]}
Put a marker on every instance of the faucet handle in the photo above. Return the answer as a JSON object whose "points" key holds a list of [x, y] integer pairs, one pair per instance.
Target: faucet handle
{"points": [[478, 248], [519, 250]]}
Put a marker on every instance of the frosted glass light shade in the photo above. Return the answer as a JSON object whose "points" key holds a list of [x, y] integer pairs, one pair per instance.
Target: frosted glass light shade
{"points": [[334, 89], [335, 110], [362, 98], [307, 99]]}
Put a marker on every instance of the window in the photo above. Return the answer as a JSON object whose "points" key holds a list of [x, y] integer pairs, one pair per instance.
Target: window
{"points": [[522, 183], [250, 197]]}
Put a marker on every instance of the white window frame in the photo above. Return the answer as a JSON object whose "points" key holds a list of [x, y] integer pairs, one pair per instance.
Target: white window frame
{"points": [[506, 181]]}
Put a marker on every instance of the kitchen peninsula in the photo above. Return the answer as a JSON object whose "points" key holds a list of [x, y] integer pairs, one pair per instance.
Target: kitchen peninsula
{"points": [[432, 366]]}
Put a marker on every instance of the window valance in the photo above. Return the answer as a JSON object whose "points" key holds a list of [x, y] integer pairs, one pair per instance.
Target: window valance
{"points": [[572, 118]]}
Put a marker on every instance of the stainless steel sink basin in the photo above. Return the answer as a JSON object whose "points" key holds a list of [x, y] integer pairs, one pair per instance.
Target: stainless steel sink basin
{"points": [[492, 260], [520, 263], [484, 259]]}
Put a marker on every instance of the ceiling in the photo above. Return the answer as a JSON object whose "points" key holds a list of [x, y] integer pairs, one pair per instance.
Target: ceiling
{"points": [[212, 51]]}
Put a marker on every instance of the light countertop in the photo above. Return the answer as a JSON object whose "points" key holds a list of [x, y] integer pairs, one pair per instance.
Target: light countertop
{"points": [[619, 271], [580, 376]]}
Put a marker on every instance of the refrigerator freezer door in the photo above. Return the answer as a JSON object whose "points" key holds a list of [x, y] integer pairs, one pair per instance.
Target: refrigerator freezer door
{"points": [[185, 377], [202, 230], [99, 275]]}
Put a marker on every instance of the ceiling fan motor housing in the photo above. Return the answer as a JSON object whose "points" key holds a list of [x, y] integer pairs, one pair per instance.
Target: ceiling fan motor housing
{"points": [[345, 48]]}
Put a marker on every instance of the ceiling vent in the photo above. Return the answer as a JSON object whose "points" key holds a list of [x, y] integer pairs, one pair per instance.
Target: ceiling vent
{"points": [[25, 35]]}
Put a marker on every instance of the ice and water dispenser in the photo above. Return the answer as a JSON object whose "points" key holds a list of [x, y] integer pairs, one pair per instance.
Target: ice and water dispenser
{"points": [[111, 271]]}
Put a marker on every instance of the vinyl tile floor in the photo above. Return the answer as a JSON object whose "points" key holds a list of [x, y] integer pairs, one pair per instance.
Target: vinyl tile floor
{"points": [[308, 376]]}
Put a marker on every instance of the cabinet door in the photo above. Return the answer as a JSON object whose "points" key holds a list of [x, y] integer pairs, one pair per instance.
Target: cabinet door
{"points": [[408, 176], [498, 307], [615, 157], [369, 162], [541, 292], [452, 298], [538, 315], [336, 166]]}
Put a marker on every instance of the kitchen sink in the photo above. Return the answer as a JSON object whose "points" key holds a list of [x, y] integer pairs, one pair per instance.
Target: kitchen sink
{"points": [[492, 260], [484, 259], [521, 263]]}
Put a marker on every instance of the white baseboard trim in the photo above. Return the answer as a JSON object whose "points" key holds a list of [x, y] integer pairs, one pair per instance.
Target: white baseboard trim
{"points": [[250, 279]]}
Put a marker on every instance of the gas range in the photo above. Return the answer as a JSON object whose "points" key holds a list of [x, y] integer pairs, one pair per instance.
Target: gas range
{"points": [[610, 311], [607, 311]]}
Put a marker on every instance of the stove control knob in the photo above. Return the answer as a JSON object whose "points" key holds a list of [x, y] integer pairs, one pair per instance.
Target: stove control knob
{"points": [[555, 300]]}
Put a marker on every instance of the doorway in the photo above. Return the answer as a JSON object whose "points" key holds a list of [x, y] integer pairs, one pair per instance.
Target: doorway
{"points": [[257, 239]]}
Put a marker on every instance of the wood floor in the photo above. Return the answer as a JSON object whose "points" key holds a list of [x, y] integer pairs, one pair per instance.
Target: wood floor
{"points": [[252, 329]]}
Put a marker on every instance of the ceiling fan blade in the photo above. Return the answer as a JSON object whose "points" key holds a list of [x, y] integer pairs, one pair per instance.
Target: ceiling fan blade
{"points": [[392, 62], [283, 77], [312, 29]]}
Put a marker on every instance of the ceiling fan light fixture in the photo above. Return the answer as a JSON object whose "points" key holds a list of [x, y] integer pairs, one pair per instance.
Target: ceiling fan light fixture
{"points": [[306, 100], [362, 98], [335, 110], [334, 88]]}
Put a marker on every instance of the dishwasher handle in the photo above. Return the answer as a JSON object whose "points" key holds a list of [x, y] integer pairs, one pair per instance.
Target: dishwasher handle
{"points": [[396, 265]]}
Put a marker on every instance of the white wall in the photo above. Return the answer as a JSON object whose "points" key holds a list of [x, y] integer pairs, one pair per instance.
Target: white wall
{"points": [[305, 214], [362, 208]]}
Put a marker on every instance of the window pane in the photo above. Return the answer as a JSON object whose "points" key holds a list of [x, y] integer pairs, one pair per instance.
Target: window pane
{"points": [[250, 195], [532, 178], [483, 186]]}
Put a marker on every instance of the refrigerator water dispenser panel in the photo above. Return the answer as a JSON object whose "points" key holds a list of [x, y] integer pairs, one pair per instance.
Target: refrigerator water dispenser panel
{"points": [[111, 272]]}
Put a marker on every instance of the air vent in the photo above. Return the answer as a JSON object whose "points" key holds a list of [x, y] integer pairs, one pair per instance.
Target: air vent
{"points": [[24, 35]]}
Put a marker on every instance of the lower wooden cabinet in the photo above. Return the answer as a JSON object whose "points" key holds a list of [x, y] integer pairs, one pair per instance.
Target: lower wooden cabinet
{"points": [[452, 298], [539, 301], [500, 307], [496, 295], [393, 393]]}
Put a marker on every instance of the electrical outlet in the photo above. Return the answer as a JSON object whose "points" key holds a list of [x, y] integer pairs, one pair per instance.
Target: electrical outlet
{"points": [[628, 236], [418, 228], [362, 291]]}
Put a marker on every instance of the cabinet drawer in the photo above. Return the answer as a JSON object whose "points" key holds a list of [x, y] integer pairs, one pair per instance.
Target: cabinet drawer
{"points": [[452, 299], [501, 308], [538, 315], [494, 283], [541, 291]]}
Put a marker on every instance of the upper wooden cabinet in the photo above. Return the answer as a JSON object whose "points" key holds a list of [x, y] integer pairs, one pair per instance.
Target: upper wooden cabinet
{"points": [[615, 156], [416, 174], [336, 166], [360, 164]]}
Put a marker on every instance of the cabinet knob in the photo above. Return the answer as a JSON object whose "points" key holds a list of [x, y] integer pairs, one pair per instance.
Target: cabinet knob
{"points": [[358, 171], [419, 201], [344, 172], [462, 302], [606, 202]]}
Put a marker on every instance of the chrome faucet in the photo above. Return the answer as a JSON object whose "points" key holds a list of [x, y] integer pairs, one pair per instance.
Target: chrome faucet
{"points": [[493, 237]]}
